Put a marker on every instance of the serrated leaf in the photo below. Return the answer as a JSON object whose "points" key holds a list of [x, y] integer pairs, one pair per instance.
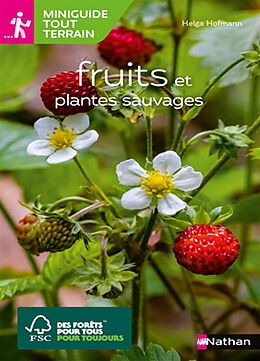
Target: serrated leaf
{"points": [[117, 260], [14, 139], [221, 46], [19, 286], [59, 265]]}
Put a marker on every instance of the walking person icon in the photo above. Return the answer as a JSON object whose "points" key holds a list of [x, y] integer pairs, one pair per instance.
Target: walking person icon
{"points": [[19, 24]]}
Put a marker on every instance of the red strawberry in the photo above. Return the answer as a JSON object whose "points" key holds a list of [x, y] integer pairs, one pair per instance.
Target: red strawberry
{"points": [[206, 249], [123, 45], [65, 83]]}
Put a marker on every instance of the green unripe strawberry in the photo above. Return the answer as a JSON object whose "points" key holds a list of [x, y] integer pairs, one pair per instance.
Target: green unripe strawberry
{"points": [[52, 234]]}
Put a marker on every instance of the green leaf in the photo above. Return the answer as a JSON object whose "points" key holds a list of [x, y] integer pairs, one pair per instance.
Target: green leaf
{"points": [[157, 353], [14, 138], [178, 224], [59, 265], [214, 213], [19, 286], [247, 210], [223, 217], [135, 354], [149, 11], [153, 352], [117, 260], [18, 66], [192, 113], [221, 46], [202, 217]]}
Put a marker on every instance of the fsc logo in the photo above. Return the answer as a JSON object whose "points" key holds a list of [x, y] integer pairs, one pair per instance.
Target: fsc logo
{"points": [[89, 328], [40, 325]]}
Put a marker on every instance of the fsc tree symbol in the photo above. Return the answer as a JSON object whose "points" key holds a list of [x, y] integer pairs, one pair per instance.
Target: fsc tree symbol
{"points": [[40, 324]]}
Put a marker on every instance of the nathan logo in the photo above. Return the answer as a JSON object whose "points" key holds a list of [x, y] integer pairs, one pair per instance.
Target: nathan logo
{"points": [[228, 342], [89, 328]]}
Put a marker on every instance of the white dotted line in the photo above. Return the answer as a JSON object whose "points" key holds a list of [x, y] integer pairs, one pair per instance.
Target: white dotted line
{"points": [[8, 36]]}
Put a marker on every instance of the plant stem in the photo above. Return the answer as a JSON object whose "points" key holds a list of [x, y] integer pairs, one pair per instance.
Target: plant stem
{"points": [[171, 10], [223, 159], [223, 316], [194, 302], [86, 210], [92, 185], [176, 43], [189, 8], [225, 71], [136, 305], [249, 171], [148, 231], [178, 135], [144, 303], [104, 258], [30, 258], [68, 199], [137, 294], [167, 283], [126, 143], [55, 298], [253, 128], [149, 138]]}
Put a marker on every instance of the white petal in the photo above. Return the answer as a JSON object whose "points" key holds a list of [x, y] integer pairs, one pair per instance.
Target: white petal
{"points": [[129, 173], [170, 204], [62, 155], [187, 179], [46, 125], [78, 122], [168, 161], [85, 140], [40, 147], [136, 198]]}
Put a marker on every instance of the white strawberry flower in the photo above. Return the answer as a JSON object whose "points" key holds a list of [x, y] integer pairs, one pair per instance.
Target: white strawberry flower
{"points": [[60, 141], [157, 185]]}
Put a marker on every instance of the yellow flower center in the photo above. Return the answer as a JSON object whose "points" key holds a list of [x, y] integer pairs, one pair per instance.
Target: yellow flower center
{"points": [[62, 137], [157, 183]]}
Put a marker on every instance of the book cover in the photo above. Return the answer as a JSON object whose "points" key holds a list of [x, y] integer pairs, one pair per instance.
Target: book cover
{"points": [[129, 180]]}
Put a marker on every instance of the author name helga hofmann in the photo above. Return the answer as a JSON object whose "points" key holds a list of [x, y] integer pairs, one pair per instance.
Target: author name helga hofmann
{"points": [[213, 23]]}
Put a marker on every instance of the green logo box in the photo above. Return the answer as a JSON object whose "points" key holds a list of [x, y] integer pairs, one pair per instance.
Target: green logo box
{"points": [[77, 21], [87, 328]]}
